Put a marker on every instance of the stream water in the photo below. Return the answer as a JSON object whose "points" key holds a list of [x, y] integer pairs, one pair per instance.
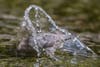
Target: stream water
{"points": [[51, 43]]}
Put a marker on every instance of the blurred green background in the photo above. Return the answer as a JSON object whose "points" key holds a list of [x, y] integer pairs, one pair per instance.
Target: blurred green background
{"points": [[79, 12], [80, 16]]}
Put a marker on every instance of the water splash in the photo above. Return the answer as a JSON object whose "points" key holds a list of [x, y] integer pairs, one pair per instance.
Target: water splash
{"points": [[45, 35]]}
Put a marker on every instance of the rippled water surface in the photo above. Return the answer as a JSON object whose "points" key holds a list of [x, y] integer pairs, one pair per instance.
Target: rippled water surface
{"points": [[9, 40]]}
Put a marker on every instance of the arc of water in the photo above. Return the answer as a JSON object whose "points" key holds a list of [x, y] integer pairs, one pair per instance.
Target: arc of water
{"points": [[30, 27], [28, 20]]}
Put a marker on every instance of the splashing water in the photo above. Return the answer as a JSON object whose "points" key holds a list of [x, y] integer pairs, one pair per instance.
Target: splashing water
{"points": [[45, 35]]}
